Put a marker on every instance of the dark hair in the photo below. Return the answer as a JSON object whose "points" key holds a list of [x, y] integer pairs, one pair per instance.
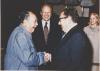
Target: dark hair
{"points": [[23, 15], [70, 11]]}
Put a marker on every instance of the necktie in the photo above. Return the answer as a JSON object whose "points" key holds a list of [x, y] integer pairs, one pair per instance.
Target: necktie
{"points": [[46, 32]]}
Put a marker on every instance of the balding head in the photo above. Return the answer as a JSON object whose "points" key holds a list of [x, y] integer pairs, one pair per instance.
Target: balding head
{"points": [[46, 12]]}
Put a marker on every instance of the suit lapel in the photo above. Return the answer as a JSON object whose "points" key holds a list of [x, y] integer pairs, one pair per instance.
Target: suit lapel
{"points": [[41, 31], [69, 35]]}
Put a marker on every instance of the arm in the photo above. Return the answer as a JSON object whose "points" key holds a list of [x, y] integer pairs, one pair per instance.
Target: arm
{"points": [[79, 52], [26, 53]]}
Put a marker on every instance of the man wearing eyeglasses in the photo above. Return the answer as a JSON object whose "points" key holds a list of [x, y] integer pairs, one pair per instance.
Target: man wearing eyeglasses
{"points": [[74, 52]]}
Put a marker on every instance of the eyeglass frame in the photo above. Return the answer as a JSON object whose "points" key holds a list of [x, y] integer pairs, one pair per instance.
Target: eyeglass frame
{"points": [[62, 18]]}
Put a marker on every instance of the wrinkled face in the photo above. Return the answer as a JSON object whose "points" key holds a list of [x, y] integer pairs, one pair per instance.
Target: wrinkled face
{"points": [[62, 21], [46, 13], [93, 20], [32, 22]]}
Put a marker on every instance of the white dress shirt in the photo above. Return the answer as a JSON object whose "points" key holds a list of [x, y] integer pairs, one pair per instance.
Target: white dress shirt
{"points": [[48, 25]]}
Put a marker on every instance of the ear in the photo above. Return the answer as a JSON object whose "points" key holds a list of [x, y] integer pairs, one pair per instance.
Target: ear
{"points": [[24, 21], [41, 13]]}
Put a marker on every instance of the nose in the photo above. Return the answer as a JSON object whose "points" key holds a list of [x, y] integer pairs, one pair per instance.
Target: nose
{"points": [[46, 13]]}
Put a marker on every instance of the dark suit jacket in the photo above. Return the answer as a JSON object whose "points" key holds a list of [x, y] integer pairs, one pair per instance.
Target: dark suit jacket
{"points": [[53, 36], [74, 52]]}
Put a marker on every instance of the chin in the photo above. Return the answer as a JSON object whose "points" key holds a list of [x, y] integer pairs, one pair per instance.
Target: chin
{"points": [[46, 19], [63, 30], [32, 31]]}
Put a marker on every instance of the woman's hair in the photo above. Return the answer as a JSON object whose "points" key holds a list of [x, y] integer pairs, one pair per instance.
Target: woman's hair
{"points": [[70, 11], [97, 17]]}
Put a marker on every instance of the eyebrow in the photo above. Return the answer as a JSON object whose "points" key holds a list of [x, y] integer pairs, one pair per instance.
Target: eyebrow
{"points": [[63, 18]]}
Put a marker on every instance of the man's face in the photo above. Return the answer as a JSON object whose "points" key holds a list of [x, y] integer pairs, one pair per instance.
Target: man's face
{"points": [[46, 13], [62, 21], [32, 22]]}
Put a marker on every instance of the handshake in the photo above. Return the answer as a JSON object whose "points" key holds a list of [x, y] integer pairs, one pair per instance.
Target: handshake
{"points": [[47, 57]]}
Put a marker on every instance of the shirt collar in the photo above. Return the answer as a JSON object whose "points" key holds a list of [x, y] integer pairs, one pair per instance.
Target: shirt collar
{"points": [[26, 32], [43, 21], [43, 24]]}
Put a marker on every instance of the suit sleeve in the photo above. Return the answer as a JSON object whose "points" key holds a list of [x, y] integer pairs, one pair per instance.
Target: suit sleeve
{"points": [[26, 53], [79, 52]]}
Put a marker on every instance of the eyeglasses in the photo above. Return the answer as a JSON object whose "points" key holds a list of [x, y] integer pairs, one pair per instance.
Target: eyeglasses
{"points": [[62, 18]]}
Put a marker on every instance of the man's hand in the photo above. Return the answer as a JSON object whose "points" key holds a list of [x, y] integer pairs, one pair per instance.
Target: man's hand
{"points": [[47, 57]]}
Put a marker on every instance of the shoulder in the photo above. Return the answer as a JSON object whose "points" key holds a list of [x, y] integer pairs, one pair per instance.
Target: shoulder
{"points": [[16, 31], [79, 35], [86, 28], [19, 32], [77, 31]]}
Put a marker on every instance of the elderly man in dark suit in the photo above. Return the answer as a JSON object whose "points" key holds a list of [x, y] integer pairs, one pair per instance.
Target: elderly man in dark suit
{"points": [[74, 53], [47, 33]]}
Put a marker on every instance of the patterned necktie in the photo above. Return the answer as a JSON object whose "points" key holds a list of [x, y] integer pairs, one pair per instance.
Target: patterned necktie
{"points": [[46, 32]]}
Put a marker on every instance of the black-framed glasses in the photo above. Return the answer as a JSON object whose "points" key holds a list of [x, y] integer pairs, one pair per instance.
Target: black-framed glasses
{"points": [[62, 18]]}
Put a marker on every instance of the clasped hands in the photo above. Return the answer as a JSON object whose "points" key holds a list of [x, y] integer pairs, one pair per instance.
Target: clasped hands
{"points": [[47, 57]]}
